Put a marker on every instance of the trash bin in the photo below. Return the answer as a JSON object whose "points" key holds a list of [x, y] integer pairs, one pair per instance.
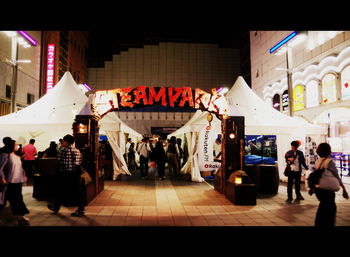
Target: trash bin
{"points": [[241, 192], [267, 179]]}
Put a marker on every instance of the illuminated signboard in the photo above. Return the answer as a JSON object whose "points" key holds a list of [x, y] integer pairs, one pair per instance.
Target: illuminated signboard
{"points": [[298, 98], [141, 96], [285, 101], [50, 65], [329, 89]]}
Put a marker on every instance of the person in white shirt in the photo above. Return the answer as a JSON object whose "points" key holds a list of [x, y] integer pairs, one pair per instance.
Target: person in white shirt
{"points": [[144, 151], [12, 175]]}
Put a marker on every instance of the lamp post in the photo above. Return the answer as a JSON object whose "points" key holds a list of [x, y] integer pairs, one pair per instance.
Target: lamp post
{"points": [[14, 59], [288, 48]]}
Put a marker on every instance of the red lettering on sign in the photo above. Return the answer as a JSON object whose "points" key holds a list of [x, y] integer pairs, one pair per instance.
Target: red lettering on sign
{"points": [[140, 93], [173, 98], [125, 97], [186, 96], [156, 96]]}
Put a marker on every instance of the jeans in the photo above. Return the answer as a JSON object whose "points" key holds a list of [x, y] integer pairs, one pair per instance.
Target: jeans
{"points": [[68, 186], [294, 176], [173, 163], [15, 198]]}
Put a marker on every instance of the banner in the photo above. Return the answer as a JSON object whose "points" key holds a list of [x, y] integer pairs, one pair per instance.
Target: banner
{"points": [[205, 151]]}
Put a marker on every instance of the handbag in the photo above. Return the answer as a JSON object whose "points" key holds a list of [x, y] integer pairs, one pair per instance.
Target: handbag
{"points": [[86, 177], [287, 170], [328, 181]]}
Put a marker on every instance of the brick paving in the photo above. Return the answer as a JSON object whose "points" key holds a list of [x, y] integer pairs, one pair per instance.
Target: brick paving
{"points": [[177, 202]]}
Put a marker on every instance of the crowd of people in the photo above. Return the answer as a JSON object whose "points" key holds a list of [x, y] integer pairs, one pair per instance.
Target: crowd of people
{"points": [[154, 153], [16, 166]]}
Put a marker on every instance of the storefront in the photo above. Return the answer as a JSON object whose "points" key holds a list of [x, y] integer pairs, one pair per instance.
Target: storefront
{"points": [[321, 95]]}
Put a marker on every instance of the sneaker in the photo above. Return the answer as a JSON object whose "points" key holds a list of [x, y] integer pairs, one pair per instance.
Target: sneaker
{"points": [[52, 208], [78, 214], [289, 200], [23, 221], [300, 197]]}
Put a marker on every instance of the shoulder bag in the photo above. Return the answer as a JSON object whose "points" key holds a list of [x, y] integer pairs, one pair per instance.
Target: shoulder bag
{"points": [[328, 181]]}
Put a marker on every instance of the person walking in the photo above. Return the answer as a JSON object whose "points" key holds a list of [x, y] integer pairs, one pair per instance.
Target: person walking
{"points": [[159, 157], [131, 157], [181, 152], [68, 177], [51, 151], [326, 212], [173, 154], [12, 176], [295, 159], [29, 152], [144, 151]]}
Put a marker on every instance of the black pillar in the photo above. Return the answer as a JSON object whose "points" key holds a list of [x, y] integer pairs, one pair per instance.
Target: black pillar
{"points": [[86, 133], [232, 150]]}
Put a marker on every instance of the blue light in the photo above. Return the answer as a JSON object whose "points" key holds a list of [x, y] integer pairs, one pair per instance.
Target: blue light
{"points": [[289, 37]]}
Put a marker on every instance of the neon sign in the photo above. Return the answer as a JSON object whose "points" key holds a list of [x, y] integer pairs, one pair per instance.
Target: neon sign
{"points": [[121, 98], [285, 40], [50, 65]]}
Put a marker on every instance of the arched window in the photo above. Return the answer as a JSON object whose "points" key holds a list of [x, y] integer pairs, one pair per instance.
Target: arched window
{"points": [[298, 98], [276, 102], [345, 83], [329, 88], [285, 101], [312, 94]]}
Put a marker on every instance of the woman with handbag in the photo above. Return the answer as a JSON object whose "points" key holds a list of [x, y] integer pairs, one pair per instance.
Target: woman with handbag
{"points": [[12, 176], [329, 183]]}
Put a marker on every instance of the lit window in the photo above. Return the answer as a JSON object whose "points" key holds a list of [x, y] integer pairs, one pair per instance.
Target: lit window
{"points": [[345, 83], [298, 98], [276, 102], [312, 94], [329, 89]]}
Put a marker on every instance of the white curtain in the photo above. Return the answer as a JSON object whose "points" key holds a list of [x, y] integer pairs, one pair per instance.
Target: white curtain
{"points": [[186, 169], [195, 172], [119, 164]]}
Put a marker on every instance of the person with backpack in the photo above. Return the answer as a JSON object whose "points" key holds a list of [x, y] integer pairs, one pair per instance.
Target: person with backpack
{"points": [[295, 159], [326, 212]]}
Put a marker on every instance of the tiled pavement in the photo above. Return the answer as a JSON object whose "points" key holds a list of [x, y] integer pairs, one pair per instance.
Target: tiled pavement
{"points": [[177, 202]]}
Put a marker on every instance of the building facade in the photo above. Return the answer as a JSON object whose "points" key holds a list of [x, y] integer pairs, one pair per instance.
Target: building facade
{"points": [[19, 70], [319, 64], [195, 65]]}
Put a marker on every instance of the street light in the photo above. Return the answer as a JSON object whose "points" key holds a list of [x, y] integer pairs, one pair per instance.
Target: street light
{"points": [[285, 46], [25, 41]]}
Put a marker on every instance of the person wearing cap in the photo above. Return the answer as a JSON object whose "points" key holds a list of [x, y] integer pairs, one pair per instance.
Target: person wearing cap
{"points": [[12, 176]]}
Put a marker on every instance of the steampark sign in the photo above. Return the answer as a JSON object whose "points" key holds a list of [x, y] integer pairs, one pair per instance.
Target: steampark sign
{"points": [[104, 101]]}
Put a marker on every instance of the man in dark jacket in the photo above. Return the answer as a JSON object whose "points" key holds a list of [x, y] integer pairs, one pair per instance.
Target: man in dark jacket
{"points": [[295, 158]]}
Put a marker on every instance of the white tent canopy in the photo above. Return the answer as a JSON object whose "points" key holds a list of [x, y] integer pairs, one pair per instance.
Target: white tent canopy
{"points": [[52, 116], [260, 119]]}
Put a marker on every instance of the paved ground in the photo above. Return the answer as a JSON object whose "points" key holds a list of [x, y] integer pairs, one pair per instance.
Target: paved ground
{"points": [[177, 202]]}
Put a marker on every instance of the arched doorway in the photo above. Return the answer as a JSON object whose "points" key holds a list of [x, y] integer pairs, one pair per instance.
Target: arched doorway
{"points": [[86, 125]]}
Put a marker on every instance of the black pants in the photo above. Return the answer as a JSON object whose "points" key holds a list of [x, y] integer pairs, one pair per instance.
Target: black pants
{"points": [[161, 169], [68, 186], [28, 167], [326, 212], [15, 198], [293, 178], [143, 166]]}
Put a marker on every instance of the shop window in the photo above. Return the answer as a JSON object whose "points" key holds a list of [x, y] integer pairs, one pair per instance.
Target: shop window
{"points": [[8, 91], [312, 94], [345, 83], [329, 89], [298, 98], [285, 101], [30, 98], [276, 102]]}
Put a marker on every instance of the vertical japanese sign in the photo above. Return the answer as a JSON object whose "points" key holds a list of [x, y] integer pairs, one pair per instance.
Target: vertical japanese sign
{"points": [[50, 65], [298, 98]]}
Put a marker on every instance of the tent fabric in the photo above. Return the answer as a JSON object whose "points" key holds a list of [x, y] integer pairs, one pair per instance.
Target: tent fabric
{"points": [[51, 117], [260, 119]]}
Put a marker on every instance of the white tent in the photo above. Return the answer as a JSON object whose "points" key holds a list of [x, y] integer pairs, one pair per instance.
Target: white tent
{"points": [[52, 116], [260, 119]]}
